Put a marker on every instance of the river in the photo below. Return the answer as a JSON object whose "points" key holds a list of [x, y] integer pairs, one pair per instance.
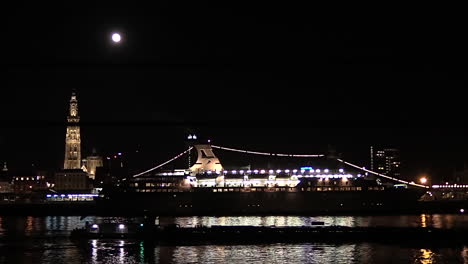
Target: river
{"points": [[45, 240]]}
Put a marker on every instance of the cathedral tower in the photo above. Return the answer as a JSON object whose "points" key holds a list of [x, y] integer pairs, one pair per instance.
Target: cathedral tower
{"points": [[72, 138]]}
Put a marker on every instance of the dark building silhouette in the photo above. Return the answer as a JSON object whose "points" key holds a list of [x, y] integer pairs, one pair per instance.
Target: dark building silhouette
{"points": [[386, 161], [114, 169]]}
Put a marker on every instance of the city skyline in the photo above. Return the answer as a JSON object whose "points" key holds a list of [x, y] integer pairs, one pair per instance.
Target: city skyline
{"points": [[181, 130], [295, 84]]}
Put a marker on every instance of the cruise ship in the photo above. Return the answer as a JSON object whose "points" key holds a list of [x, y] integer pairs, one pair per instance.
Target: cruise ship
{"points": [[206, 188]]}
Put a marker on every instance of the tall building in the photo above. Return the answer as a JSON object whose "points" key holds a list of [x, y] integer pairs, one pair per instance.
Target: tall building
{"points": [[386, 161], [72, 138], [4, 172], [5, 181], [113, 170]]}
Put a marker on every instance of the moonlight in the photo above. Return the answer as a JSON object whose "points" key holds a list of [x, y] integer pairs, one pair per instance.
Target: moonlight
{"points": [[116, 37]]}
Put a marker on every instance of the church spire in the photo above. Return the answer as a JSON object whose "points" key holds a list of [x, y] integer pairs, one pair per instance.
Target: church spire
{"points": [[73, 116], [72, 137]]}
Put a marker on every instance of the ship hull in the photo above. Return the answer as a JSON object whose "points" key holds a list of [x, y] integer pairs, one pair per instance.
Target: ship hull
{"points": [[263, 203]]}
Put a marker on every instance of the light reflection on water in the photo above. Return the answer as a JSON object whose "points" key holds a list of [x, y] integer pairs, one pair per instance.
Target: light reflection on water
{"points": [[138, 252], [258, 220], [424, 220], [276, 253], [45, 240]]}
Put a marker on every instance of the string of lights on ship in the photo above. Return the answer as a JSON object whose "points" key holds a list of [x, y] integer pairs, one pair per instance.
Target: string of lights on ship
{"points": [[303, 170]]}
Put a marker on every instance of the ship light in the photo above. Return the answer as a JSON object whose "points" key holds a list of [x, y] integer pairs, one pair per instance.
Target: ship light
{"points": [[141, 224], [121, 226], [462, 210], [94, 226]]}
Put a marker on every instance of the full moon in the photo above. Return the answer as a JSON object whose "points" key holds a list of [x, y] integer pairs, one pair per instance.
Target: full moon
{"points": [[116, 37]]}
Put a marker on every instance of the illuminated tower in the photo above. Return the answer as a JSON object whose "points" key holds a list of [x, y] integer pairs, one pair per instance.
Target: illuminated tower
{"points": [[72, 138]]}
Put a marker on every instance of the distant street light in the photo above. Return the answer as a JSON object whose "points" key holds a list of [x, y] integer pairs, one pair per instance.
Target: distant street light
{"points": [[423, 180]]}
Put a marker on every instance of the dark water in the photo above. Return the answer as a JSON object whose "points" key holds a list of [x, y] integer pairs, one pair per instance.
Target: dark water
{"points": [[45, 240]]}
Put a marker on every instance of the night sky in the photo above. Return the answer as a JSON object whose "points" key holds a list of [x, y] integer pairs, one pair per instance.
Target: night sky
{"points": [[266, 77]]}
